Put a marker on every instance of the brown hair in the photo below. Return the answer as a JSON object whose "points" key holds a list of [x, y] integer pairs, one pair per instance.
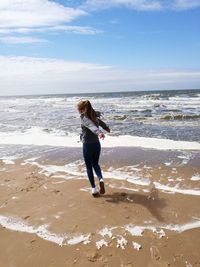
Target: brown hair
{"points": [[89, 111]]}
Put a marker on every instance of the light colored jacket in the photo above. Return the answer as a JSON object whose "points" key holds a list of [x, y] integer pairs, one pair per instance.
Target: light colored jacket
{"points": [[90, 130]]}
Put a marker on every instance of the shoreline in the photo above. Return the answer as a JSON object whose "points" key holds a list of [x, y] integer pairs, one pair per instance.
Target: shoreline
{"points": [[36, 136]]}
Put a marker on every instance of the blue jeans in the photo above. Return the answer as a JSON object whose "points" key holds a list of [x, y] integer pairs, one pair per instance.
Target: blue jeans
{"points": [[91, 153]]}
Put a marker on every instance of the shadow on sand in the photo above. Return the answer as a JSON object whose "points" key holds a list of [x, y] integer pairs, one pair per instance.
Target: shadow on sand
{"points": [[151, 202]]}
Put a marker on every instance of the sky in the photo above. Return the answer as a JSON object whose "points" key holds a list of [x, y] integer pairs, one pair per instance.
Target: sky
{"points": [[69, 46]]}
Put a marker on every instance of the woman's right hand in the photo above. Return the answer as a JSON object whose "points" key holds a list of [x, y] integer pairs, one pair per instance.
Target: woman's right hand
{"points": [[101, 135]]}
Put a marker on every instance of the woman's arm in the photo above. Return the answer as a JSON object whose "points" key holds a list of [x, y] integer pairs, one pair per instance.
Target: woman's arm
{"points": [[104, 125], [91, 126]]}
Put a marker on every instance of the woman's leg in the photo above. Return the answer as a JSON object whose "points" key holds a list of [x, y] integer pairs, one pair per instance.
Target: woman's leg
{"points": [[87, 155], [97, 168], [95, 162]]}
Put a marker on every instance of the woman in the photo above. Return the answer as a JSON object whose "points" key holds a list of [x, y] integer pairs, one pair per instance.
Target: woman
{"points": [[91, 133]]}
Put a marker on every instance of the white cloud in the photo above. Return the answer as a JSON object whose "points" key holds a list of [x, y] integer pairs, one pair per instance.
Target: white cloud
{"points": [[143, 5], [21, 40], [59, 28], [28, 75], [76, 29], [25, 16], [35, 13], [186, 4]]}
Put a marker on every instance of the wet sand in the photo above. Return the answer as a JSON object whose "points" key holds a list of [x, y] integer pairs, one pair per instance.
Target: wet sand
{"points": [[46, 220]]}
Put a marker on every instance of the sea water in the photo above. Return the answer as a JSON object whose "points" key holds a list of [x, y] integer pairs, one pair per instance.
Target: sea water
{"points": [[171, 115]]}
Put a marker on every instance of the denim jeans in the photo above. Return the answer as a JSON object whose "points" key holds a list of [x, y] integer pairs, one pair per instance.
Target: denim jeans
{"points": [[91, 153]]}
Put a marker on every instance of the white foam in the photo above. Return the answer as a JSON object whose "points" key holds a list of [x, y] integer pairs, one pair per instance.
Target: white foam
{"points": [[18, 225], [52, 237], [126, 174], [85, 239], [29, 161], [124, 188], [134, 230], [168, 163], [176, 189], [85, 189], [160, 233], [139, 181], [8, 159], [155, 143], [138, 230], [182, 228], [70, 168], [41, 231], [122, 242], [74, 170], [106, 232], [195, 177], [36, 136], [101, 243], [136, 245], [186, 158]]}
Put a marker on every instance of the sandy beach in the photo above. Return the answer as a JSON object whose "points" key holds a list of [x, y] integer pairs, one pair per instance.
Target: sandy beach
{"points": [[49, 218]]}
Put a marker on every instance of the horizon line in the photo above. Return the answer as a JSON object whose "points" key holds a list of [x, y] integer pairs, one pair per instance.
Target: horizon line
{"points": [[104, 92]]}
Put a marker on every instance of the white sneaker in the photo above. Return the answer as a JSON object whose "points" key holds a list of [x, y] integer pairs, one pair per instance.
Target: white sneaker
{"points": [[95, 192]]}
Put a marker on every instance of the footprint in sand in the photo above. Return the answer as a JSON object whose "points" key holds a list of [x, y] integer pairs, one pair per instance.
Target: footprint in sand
{"points": [[155, 253], [156, 258], [93, 256], [153, 194]]}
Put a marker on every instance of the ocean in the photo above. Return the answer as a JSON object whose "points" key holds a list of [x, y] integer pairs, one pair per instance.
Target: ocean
{"points": [[158, 120], [166, 114]]}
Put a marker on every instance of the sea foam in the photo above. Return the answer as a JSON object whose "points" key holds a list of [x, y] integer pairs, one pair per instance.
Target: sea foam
{"points": [[41, 231], [36, 136], [18, 225]]}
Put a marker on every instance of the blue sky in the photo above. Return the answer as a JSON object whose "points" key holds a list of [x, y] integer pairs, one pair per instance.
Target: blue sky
{"points": [[98, 45]]}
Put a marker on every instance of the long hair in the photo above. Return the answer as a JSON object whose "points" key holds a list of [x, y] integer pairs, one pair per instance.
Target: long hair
{"points": [[88, 110]]}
